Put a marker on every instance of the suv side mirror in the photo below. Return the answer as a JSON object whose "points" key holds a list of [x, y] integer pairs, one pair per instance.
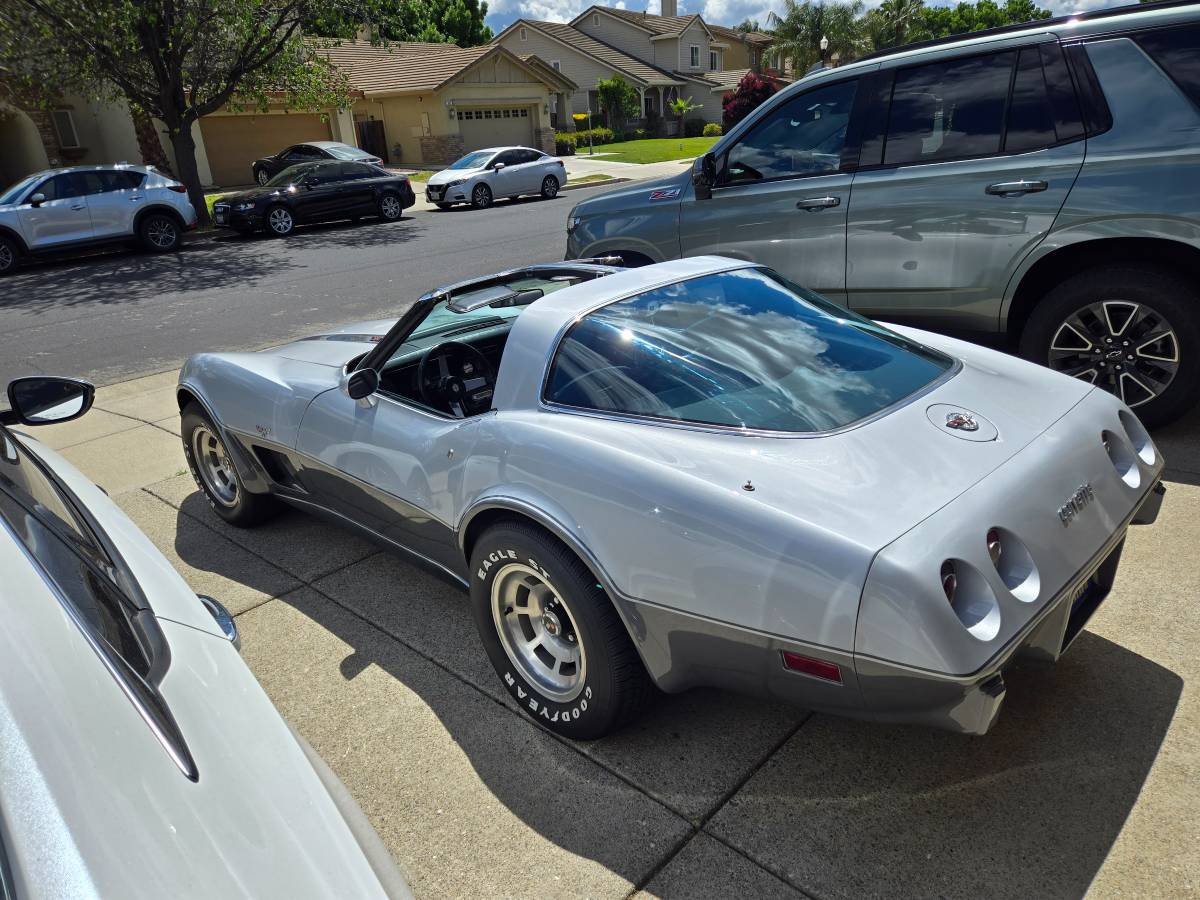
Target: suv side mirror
{"points": [[37, 199], [704, 175], [497, 166], [47, 399], [361, 383]]}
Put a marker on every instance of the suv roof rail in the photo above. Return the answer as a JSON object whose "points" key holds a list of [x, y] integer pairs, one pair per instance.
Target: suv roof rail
{"points": [[1108, 13]]}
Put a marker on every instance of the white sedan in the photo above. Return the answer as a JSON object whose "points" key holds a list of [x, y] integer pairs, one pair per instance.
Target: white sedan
{"points": [[139, 756], [483, 175]]}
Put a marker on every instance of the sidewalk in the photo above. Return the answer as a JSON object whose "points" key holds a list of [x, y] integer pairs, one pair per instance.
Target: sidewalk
{"points": [[1090, 780]]}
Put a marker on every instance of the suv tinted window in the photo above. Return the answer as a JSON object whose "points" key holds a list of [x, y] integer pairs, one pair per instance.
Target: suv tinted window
{"points": [[102, 182], [948, 110], [61, 187], [1030, 118], [742, 349], [1177, 51], [804, 136], [42, 520]]}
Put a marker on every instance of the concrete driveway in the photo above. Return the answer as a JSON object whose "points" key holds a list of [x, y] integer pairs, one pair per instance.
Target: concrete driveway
{"points": [[1090, 781]]}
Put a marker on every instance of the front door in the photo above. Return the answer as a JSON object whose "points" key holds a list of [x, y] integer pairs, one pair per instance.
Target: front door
{"points": [[971, 181], [61, 218], [506, 182], [318, 195], [390, 466], [781, 195]]}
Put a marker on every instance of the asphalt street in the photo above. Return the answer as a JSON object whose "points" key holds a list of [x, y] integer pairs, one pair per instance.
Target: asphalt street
{"points": [[117, 314]]}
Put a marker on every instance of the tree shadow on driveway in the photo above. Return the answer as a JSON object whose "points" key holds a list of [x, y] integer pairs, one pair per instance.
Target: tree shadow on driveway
{"points": [[834, 807], [208, 263]]}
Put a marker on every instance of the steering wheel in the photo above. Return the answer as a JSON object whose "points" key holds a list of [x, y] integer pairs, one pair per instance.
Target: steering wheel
{"points": [[456, 376]]}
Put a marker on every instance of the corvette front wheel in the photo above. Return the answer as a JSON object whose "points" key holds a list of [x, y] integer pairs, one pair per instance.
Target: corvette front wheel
{"points": [[215, 473], [553, 635]]}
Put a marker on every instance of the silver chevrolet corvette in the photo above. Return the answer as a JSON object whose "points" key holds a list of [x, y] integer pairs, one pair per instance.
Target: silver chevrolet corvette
{"points": [[697, 473]]}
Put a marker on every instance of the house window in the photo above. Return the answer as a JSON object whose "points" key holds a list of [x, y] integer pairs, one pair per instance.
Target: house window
{"points": [[64, 127], [713, 63], [524, 114], [695, 58], [524, 35], [556, 65], [595, 20]]}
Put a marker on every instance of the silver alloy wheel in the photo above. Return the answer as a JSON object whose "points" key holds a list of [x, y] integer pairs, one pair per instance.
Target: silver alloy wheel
{"points": [[481, 195], [262, 177], [214, 465], [549, 187], [538, 632], [161, 232], [390, 207], [280, 220], [7, 258], [1127, 348]]}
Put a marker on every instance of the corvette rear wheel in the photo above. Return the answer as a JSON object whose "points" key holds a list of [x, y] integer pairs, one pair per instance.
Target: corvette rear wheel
{"points": [[553, 635], [216, 475]]}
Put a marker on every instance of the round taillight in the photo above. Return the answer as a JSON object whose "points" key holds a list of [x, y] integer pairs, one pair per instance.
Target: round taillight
{"points": [[994, 548], [949, 580]]}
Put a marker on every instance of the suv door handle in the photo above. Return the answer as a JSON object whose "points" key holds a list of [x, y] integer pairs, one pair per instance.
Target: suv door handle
{"points": [[136, 197], [1013, 188], [811, 203], [79, 207]]}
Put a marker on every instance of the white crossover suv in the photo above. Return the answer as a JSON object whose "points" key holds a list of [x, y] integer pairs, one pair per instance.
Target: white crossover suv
{"points": [[60, 209], [139, 757]]}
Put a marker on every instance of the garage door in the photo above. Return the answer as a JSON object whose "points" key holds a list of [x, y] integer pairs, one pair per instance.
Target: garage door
{"points": [[498, 127], [234, 142]]}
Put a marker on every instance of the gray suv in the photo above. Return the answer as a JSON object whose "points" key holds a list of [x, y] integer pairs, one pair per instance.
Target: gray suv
{"points": [[1041, 183]]}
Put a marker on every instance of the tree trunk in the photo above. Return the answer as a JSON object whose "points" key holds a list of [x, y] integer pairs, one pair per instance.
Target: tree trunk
{"points": [[185, 161], [147, 137]]}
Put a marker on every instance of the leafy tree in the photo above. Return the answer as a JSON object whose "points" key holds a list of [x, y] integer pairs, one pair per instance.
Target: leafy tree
{"points": [[175, 60], [454, 21], [618, 99], [893, 23], [799, 30], [748, 25], [751, 91], [942, 21]]}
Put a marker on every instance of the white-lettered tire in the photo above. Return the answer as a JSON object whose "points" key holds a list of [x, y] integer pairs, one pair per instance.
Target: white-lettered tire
{"points": [[549, 187], [216, 475], [553, 635], [10, 255]]}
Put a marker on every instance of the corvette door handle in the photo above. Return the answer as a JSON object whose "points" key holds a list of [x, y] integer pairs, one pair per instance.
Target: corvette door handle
{"points": [[1014, 188], [812, 203]]}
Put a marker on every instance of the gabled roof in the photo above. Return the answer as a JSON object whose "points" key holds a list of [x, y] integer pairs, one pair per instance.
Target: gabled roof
{"points": [[607, 54], [656, 26], [732, 34], [549, 72], [410, 67]]}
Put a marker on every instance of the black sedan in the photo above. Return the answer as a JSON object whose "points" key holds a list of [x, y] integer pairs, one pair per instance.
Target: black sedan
{"points": [[315, 192], [314, 151]]}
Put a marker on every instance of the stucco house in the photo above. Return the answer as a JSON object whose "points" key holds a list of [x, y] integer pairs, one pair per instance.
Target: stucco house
{"points": [[663, 56]]}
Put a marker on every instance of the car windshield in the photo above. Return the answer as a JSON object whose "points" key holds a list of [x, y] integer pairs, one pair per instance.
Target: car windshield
{"points": [[12, 193], [290, 175], [442, 320], [740, 349], [344, 151], [472, 160]]}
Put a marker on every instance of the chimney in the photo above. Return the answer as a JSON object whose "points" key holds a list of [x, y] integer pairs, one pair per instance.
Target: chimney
{"points": [[669, 8]]}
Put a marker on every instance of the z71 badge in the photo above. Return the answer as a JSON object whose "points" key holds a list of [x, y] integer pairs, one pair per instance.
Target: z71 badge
{"points": [[665, 194]]}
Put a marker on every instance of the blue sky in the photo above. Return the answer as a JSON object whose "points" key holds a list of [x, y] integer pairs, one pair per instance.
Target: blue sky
{"points": [[720, 12]]}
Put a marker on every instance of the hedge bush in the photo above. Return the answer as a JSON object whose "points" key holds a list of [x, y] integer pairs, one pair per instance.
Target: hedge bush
{"points": [[564, 143], [693, 127], [599, 136], [712, 129]]}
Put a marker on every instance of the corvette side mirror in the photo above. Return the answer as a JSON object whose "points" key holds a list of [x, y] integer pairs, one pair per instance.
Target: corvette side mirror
{"points": [[361, 383], [47, 399], [704, 175]]}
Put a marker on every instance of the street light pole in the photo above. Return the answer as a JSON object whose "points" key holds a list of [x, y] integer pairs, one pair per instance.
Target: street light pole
{"points": [[591, 146], [824, 47]]}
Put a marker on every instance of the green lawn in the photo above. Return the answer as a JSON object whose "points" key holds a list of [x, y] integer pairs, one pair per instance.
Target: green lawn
{"points": [[652, 150], [588, 179]]}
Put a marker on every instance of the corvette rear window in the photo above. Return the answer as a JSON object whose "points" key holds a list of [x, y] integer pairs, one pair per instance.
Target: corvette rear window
{"points": [[740, 349]]}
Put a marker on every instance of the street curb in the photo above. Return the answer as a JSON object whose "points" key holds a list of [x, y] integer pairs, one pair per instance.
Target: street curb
{"points": [[579, 187]]}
